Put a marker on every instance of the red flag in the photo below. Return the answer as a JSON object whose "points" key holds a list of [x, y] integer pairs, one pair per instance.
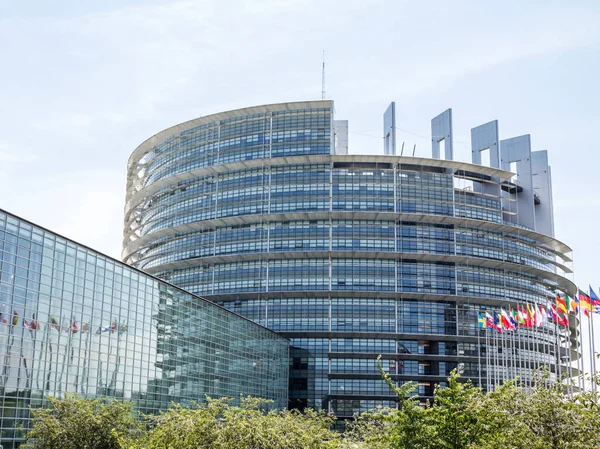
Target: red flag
{"points": [[561, 304], [563, 321], [585, 302], [505, 320]]}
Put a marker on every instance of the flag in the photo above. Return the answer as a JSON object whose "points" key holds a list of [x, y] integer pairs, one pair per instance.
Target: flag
{"points": [[403, 349], [53, 322], [571, 303], [521, 316], [481, 321], [103, 330], [2, 319], [554, 311], [514, 318], [544, 315], [490, 321], [30, 325], [526, 317], [563, 321], [576, 299], [74, 327], [15, 319], [113, 327], [497, 322], [551, 314], [595, 300], [505, 320], [85, 327], [538, 316], [531, 316], [585, 302], [561, 305]]}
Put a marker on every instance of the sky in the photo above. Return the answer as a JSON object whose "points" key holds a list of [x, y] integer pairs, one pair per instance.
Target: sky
{"points": [[84, 82]]}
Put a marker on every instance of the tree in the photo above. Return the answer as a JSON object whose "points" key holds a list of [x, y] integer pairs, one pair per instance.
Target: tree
{"points": [[452, 419], [556, 420], [461, 416], [384, 427], [218, 425], [79, 423], [499, 413]]}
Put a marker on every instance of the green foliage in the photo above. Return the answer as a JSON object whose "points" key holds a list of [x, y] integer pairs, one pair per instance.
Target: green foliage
{"points": [[462, 417], [453, 420], [218, 425], [78, 423], [402, 428]]}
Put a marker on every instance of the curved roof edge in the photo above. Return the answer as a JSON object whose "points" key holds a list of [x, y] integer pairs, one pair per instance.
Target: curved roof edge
{"points": [[479, 262], [174, 130], [550, 242], [502, 175]]}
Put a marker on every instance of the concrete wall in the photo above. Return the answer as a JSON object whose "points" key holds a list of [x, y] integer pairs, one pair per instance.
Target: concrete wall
{"points": [[340, 129], [542, 185], [441, 129], [389, 130], [518, 149], [486, 137]]}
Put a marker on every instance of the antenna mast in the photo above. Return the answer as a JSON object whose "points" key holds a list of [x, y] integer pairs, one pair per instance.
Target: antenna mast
{"points": [[323, 78]]}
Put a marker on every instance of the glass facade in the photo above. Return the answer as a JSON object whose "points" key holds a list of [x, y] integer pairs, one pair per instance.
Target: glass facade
{"points": [[74, 320], [348, 256]]}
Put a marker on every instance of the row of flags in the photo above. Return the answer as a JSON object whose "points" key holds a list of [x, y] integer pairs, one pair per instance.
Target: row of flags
{"points": [[73, 327], [529, 316]]}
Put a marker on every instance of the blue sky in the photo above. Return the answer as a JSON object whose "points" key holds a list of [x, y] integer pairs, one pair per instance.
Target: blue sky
{"points": [[84, 82]]}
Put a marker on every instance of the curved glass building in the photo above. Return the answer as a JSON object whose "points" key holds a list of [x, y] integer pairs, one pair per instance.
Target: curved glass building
{"points": [[263, 210]]}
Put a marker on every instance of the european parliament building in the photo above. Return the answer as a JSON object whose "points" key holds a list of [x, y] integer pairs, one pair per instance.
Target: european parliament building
{"points": [[263, 211], [75, 321]]}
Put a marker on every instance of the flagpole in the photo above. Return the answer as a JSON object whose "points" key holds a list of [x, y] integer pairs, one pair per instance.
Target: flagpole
{"points": [[591, 319], [511, 359], [531, 345], [582, 346], [510, 368], [495, 358], [570, 359], [515, 356], [479, 350], [593, 349], [557, 332], [527, 349], [503, 358], [535, 344], [580, 378], [499, 358], [591, 352], [487, 361], [520, 354]]}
